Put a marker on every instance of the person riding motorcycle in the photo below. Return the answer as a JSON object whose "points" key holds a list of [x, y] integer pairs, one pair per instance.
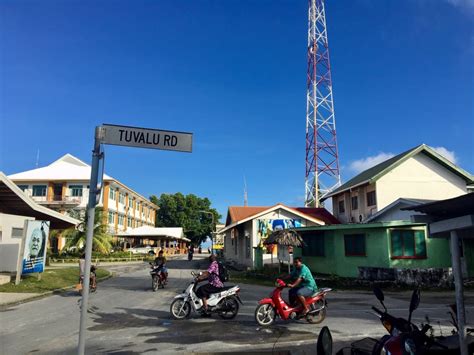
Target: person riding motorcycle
{"points": [[160, 261], [303, 286], [82, 268], [214, 284]]}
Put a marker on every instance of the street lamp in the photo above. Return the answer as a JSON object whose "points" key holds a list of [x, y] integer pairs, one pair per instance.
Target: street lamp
{"points": [[213, 227]]}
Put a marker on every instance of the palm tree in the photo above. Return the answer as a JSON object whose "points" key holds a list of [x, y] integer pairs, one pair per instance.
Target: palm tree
{"points": [[101, 240]]}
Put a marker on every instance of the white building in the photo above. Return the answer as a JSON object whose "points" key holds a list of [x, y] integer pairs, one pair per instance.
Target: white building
{"points": [[247, 227], [417, 174], [64, 185]]}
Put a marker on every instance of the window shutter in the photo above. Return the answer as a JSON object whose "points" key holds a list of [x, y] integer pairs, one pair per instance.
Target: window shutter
{"points": [[397, 246], [420, 243]]}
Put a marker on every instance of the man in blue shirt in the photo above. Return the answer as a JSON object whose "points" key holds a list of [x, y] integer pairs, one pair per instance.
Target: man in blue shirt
{"points": [[304, 284]]}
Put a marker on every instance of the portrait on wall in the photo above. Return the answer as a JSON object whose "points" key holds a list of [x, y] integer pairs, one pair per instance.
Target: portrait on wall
{"points": [[34, 250]]}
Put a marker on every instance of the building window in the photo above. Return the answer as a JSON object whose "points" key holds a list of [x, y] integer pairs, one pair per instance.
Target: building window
{"points": [[120, 220], [17, 233], [354, 244], [23, 187], [371, 200], [39, 190], [314, 245], [408, 244], [112, 194], [137, 204], [129, 222], [341, 207], [76, 190], [111, 218], [355, 202], [130, 203], [121, 198]]}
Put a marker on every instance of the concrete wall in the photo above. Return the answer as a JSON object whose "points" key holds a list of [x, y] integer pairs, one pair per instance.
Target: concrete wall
{"points": [[419, 177], [10, 245]]}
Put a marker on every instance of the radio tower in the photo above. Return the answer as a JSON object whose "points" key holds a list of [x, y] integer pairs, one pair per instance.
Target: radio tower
{"points": [[322, 161]]}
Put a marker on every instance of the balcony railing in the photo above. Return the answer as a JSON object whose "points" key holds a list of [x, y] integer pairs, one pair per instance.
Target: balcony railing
{"points": [[59, 200]]}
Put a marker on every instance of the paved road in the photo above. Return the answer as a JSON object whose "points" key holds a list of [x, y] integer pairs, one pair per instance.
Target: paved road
{"points": [[126, 317]]}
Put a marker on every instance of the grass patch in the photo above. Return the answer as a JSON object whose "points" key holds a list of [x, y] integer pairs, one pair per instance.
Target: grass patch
{"points": [[51, 279]]}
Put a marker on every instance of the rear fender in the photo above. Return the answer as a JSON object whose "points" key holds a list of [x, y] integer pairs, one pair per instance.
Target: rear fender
{"points": [[267, 301]]}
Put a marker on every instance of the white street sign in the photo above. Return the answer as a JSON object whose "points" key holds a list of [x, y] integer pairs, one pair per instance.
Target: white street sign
{"points": [[146, 138]]}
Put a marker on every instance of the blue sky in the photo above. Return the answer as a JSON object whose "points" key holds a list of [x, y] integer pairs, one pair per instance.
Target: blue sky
{"points": [[233, 73]]}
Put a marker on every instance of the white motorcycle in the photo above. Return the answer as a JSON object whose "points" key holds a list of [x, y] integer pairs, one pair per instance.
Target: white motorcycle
{"points": [[225, 303]]}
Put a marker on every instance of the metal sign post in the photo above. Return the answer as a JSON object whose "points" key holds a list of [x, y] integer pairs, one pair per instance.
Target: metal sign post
{"points": [[124, 136], [96, 156]]}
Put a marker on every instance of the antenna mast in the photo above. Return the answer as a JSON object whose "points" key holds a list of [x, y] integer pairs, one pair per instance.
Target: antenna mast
{"points": [[322, 159]]}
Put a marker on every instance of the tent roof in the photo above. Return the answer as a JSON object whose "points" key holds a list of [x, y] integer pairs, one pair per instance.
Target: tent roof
{"points": [[147, 231]]}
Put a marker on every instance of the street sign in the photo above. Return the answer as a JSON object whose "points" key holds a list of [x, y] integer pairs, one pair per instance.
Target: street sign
{"points": [[146, 138]]}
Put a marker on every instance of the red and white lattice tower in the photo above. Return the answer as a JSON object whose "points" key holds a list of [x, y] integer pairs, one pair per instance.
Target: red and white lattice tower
{"points": [[322, 161]]}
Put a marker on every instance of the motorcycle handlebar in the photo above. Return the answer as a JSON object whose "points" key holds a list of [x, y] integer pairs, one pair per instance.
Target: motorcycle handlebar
{"points": [[377, 310]]}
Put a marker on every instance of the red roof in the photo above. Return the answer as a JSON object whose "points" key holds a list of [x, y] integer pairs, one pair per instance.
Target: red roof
{"points": [[319, 213], [239, 213]]}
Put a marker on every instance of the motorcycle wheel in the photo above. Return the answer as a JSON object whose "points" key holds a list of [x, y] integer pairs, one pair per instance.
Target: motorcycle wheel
{"points": [[265, 314], [318, 317], [154, 283], [180, 309], [232, 307]]}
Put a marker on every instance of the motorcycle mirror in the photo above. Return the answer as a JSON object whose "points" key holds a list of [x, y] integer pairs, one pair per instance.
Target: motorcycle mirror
{"points": [[414, 302], [324, 344], [380, 296]]}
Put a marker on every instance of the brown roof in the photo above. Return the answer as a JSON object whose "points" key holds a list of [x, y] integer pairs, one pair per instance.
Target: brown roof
{"points": [[238, 213]]}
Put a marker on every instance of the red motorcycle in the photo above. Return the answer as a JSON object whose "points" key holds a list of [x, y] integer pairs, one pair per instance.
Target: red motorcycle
{"points": [[269, 308]]}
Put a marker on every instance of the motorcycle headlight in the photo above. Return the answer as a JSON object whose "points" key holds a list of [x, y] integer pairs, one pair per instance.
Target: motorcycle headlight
{"points": [[387, 326]]}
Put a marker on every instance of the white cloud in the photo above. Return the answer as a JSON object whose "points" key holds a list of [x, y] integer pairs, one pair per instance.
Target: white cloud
{"points": [[360, 165], [448, 154], [462, 4]]}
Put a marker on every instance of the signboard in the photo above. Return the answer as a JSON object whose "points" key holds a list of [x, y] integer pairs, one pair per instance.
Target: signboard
{"points": [[35, 240], [146, 138]]}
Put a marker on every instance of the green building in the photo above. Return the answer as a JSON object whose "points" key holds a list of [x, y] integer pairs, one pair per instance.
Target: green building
{"points": [[341, 249]]}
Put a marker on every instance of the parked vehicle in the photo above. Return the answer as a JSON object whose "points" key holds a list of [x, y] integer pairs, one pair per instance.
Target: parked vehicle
{"points": [[406, 338], [158, 277], [142, 249], [225, 303], [269, 308]]}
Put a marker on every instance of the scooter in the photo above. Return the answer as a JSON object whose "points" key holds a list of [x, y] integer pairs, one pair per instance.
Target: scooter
{"points": [[158, 277], [225, 303], [406, 338], [269, 308]]}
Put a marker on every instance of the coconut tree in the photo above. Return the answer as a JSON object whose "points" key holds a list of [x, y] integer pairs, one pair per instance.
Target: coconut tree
{"points": [[101, 240]]}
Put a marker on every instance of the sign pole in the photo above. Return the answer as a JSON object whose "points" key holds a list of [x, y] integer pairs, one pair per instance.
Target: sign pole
{"points": [[96, 156]]}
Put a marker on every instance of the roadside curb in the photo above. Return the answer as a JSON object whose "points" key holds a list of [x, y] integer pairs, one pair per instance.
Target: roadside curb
{"points": [[49, 293]]}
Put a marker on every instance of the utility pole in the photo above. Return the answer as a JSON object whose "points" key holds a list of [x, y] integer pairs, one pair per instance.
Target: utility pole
{"points": [[322, 159]]}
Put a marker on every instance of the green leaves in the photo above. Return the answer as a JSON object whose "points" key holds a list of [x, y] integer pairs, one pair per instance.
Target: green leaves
{"points": [[101, 240], [192, 213]]}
